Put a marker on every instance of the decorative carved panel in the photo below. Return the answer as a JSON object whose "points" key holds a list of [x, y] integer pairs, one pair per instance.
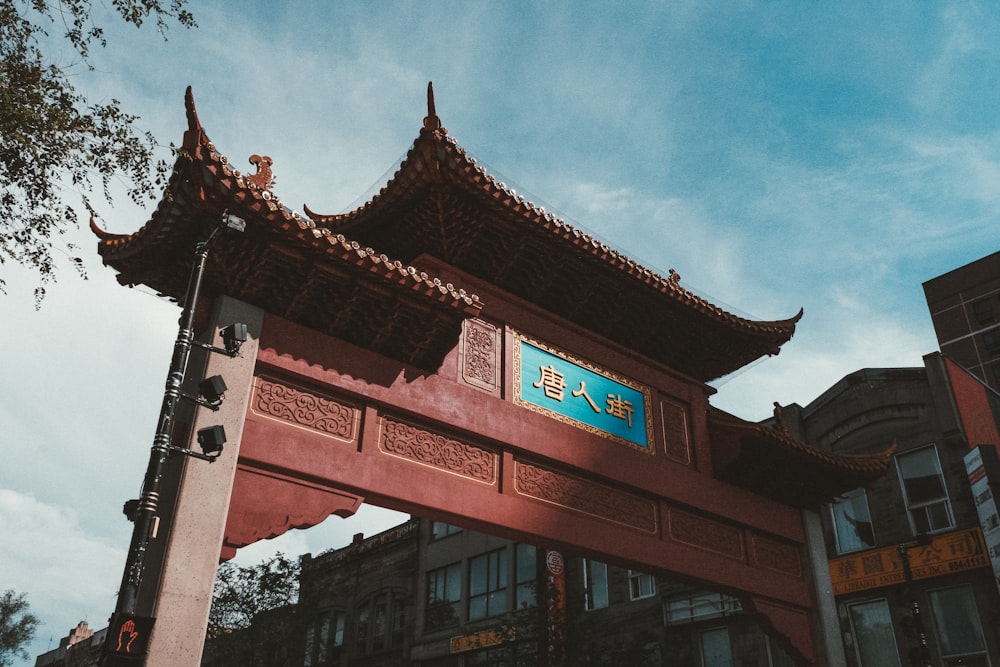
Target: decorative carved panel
{"points": [[436, 451], [676, 431], [481, 355], [322, 414], [585, 496], [705, 533], [777, 556]]}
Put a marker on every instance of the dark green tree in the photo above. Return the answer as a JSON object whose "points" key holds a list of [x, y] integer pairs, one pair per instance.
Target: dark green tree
{"points": [[252, 609], [17, 627], [56, 146]]}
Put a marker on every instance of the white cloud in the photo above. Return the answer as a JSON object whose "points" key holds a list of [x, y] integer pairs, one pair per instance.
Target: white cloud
{"points": [[68, 574]]}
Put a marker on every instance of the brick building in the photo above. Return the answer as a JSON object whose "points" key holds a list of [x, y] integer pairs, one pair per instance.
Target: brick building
{"points": [[430, 594], [965, 309], [80, 648], [908, 562]]}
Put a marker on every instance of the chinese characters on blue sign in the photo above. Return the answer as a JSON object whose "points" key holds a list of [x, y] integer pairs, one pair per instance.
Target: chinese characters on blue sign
{"points": [[564, 388]]}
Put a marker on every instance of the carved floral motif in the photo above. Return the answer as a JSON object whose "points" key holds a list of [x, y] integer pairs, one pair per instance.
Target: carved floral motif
{"points": [[676, 442], [479, 363], [585, 496], [432, 449], [303, 408], [702, 532]]}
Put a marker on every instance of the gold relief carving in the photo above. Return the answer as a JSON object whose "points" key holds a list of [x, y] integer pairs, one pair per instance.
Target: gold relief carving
{"points": [[585, 496], [302, 408], [705, 533], [434, 450], [481, 354], [676, 431], [777, 556]]}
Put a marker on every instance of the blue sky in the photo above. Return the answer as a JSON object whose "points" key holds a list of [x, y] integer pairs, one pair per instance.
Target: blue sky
{"points": [[829, 156]]}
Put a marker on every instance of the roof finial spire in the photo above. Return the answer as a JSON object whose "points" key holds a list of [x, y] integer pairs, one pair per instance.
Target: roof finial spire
{"points": [[431, 122]]}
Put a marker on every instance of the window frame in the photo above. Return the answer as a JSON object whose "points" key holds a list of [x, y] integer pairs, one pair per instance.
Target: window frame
{"points": [[635, 585], [690, 607], [325, 638], [913, 507], [718, 629], [493, 597], [851, 497], [991, 341], [441, 530], [852, 621], [444, 574], [525, 576], [940, 626], [590, 603], [984, 311]]}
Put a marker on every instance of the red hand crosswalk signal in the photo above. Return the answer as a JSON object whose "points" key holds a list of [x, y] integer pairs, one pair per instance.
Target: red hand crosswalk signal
{"points": [[128, 639]]}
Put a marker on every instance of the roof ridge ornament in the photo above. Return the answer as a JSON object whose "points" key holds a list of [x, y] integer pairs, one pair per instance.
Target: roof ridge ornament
{"points": [[431, 122], [263, 179]]}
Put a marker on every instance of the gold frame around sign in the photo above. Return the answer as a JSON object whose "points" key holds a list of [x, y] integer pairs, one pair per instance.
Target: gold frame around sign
{"points": [[650, 449]]}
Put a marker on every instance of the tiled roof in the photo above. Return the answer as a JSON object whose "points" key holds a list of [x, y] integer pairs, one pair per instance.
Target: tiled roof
{"points": [[442, 203], [283, 263], [773, 463], [328, 271]]}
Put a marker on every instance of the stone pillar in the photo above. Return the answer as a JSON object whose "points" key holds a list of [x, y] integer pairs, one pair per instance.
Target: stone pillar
{"points": [[194, 514], [826, 632]]}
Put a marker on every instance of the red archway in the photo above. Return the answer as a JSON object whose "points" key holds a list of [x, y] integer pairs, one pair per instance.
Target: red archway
{"points": [[431, 352]]}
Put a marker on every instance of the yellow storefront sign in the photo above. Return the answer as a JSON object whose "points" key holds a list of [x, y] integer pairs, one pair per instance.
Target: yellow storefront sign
{"points": [[947, 553], [480, 640]]}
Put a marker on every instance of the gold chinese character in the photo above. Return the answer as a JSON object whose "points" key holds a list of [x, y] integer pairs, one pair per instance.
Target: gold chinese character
{"points": [[620, 409], [582, 391], [551, 381]]}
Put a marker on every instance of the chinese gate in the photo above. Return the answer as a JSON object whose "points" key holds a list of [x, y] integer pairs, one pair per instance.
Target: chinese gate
{"points": [[455, 352]]}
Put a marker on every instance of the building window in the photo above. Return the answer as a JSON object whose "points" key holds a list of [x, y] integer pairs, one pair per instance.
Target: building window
{"points": [[640, 585], [776, 656], [924, 490], [874, 640], [699, 606], [595, 585], [324, 640], [380, 623], [852, 523], [991, 340], [364, 626], [444, 593], [995, 372], [440, 529], [519, 654], [526, 574], [982, 310], [488, 585], [398, 627], [959, 631], [714, 648]]}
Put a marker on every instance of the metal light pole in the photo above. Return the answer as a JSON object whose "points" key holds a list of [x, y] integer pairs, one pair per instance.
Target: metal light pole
{"points": [[127, 629], [920, 656]]}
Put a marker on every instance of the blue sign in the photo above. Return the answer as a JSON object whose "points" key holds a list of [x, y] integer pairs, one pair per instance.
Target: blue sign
{"points": [[567, 389]]}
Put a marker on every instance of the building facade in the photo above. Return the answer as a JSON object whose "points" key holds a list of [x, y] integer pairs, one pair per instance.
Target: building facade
{"points": [[965, 308], [430, 594], [80, 648], [908, 563]]}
